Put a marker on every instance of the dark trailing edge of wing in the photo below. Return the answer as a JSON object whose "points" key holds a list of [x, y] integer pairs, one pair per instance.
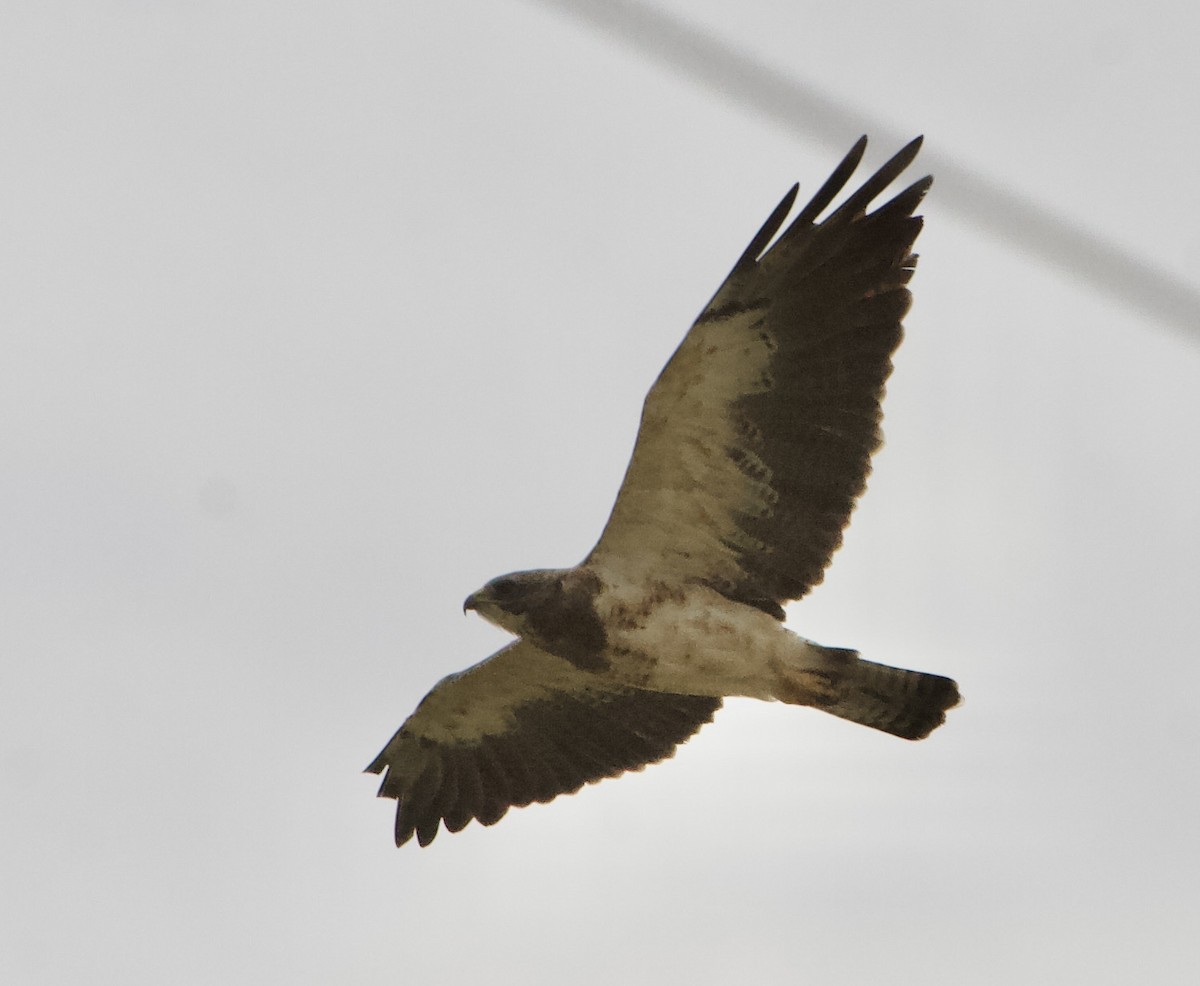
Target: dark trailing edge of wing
{"points": [[833, 294], [554, 746]]}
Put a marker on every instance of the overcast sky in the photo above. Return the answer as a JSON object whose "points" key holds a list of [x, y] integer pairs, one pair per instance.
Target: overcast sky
{"points": [[317, 316]]}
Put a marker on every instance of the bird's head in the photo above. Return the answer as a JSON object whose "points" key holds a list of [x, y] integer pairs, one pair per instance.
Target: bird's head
{"points": [[553, 608], [507, 600]]}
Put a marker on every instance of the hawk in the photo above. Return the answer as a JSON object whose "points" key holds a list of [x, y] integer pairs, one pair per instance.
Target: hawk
{"points": [[754, 444]]}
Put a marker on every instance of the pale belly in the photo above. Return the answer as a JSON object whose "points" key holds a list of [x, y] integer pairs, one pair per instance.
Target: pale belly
{"points": [[702, 644]]}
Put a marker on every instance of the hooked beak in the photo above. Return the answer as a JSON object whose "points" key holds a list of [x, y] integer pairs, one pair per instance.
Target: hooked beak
{"points": [[472, 602]]}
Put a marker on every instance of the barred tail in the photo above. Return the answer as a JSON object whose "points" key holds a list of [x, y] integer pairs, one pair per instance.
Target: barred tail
{"points": [[909, 704]]}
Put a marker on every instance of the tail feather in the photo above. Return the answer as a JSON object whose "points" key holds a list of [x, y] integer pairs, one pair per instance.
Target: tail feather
{"points": [[908, 704]]}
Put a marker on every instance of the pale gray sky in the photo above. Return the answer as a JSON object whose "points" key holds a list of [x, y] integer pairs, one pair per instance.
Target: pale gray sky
{"points": [[316, 316]]}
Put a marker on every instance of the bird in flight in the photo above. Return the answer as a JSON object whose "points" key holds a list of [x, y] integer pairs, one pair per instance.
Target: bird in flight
{"points": [[754, 444]]}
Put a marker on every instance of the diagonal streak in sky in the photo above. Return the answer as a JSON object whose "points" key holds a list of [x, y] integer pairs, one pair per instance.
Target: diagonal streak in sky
{"points": [[801, 108]]}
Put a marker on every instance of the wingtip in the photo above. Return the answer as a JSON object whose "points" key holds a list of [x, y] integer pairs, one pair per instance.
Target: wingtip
{"points": [[769, 228], [904, 157], [833, 184], [881, 179], [852, 160]]}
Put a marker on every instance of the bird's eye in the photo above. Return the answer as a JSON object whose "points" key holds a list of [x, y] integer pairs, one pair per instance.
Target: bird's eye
{"points": [[503, 587]]}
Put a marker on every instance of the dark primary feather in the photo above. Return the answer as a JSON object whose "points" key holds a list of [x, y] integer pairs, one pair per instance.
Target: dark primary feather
{"points": [[838, 293], [521, 727], [745, 480]]}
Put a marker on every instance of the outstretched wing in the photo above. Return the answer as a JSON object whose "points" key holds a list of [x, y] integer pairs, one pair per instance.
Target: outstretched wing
{"points": [[520, 727], [756, 438]]}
